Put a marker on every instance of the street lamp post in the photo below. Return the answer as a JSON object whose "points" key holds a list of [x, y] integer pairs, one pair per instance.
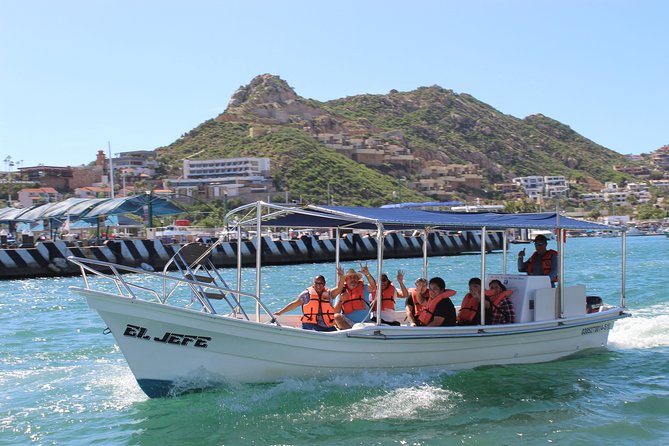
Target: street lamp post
{"points": [[111, 169], [8, 168], [399, 188], [329, 196]]}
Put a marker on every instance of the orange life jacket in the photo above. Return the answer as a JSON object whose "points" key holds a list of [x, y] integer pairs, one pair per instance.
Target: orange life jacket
{"points": [[546, 263], [495, 299], [427, 314], [469, 310], [417, 306], [317, 305], [387, 297], [355, 300]]}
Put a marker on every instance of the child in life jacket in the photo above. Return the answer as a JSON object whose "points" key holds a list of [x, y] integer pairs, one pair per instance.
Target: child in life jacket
{"points": [[416, 300], [389, 294], [501, 306], [470, 308]]}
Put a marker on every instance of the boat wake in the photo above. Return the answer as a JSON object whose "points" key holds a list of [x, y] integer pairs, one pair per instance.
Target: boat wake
{"points": [[364, 396], [647, 328]]}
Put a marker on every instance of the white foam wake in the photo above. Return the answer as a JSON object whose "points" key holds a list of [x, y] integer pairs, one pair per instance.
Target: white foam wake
{"points": [[647, 328]]}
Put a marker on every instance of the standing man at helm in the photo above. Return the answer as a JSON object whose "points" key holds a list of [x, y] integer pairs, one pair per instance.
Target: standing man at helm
{"points": [[543, 262]]}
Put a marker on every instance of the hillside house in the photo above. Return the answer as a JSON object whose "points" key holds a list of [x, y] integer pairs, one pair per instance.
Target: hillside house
{"points": [[35, 196]]}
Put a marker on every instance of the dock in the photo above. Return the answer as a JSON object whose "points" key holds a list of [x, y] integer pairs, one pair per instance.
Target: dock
{"points": [[49, 258]]}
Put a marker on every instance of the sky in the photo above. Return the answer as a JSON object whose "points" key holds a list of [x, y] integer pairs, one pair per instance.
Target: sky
{"points": [[81, 76]]}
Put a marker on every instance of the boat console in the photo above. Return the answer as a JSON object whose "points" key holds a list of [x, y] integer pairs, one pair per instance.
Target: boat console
{"points": [[534, 299]]}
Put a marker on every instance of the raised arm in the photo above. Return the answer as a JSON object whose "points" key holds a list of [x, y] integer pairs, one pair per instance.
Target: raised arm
{"points": [[365, 272], [400, 279], [341, 283], [522, 265]]}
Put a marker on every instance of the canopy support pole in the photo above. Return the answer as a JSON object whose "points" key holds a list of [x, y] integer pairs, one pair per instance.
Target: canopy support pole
{"points": [[504, 249], [258, 256], [560, 287], [239, 265], [425, 231], [379, 266], [624, 269], [483, 284], [337, 247]]}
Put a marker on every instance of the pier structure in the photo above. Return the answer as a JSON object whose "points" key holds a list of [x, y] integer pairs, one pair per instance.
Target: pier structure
{"points": [[49, 258]]}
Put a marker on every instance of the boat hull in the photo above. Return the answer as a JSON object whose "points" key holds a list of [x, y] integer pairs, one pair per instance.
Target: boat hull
{"points": [[171, 349]]}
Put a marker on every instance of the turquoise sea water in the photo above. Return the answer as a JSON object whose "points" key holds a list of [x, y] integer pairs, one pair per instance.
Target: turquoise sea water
{"points": [[63, 382]]}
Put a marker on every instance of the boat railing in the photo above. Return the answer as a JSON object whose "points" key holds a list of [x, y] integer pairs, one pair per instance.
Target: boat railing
{"points": [[201, 289]]}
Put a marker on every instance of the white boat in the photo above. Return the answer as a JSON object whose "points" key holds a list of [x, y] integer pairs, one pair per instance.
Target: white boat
{"points": [[192, 330], [550, 235], [634, 232]]}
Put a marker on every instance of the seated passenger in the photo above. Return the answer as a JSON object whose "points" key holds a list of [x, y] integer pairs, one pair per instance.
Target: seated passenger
{"points": [[353, 303], [416, 301], [439, 310], [470, 308], [388, 295], [317, 310], [502, 307]]}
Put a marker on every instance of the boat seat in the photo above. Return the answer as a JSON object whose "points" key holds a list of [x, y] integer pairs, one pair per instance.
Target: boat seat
{"points": [[198, 278], [216, 296]]}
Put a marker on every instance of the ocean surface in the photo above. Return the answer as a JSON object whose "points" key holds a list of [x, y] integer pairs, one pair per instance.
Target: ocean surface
{"points": [[63, 382]]}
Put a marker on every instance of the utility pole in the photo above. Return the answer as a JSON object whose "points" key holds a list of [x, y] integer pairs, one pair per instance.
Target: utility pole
{"points": [[111, 170], [329, 196], [8, 167]]}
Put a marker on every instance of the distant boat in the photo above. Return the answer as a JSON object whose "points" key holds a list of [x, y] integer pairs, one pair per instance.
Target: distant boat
{"points": [[608, 234], [634, 232], [534, 232]]}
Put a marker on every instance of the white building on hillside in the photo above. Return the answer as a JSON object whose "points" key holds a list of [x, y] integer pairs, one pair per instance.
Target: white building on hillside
{"points": [[217, 178], [227, 167], [543, 186]]}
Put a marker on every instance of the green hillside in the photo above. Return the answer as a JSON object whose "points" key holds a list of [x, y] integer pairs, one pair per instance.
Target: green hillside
{"points": [[433, 123], [299, 164]]}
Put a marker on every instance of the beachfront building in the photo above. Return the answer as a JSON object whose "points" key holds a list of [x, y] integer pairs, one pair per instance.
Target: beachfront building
{"points": [[48, 176], [136, 163], [439, 180], [220, 178], [34, 196], [536, 186], [369, 151], [93, 192]]}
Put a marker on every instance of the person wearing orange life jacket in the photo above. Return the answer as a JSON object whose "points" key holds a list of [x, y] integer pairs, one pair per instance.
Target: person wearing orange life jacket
{"points": [[501, 306], [543, 262], [470, 308], [416, 300], [317, 310], [389, 295], [439, 310], [353, 303]]}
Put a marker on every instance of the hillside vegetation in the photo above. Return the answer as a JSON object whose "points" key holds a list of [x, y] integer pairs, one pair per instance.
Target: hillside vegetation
{"points": [[266, 118]]}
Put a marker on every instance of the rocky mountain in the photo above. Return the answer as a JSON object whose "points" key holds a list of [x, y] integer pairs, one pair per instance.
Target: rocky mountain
{"points": [[427, 126]]}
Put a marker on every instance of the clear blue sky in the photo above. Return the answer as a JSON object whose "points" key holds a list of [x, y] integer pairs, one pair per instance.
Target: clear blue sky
{"points": [[75, 75]]}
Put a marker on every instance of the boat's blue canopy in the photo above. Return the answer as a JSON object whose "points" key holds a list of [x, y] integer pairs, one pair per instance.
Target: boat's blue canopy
{"points": [[405, 219], [424, 204]]}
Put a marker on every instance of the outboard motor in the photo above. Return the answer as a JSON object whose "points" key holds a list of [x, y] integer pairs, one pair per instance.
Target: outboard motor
{"points": [[593, 304]]}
